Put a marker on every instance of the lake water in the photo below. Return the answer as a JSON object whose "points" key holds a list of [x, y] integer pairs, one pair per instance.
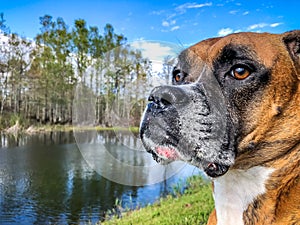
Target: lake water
{"points": [[76, 177]]}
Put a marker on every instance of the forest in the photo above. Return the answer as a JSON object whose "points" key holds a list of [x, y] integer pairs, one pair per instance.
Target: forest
{"points": [[39, 78]]}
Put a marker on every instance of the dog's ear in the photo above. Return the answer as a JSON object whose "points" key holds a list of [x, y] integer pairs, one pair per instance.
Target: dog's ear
{"points": [[292, 42]]}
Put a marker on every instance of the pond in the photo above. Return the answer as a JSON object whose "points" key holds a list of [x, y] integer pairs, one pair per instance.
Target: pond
{"points": [[76, 177]]}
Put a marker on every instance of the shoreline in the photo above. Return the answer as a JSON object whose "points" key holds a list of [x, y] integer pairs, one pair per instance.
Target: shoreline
{"points": [[33, 129], [193, 206]]}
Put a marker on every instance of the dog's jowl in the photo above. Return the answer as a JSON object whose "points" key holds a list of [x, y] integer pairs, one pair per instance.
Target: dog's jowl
{"points": [[234, 111]]}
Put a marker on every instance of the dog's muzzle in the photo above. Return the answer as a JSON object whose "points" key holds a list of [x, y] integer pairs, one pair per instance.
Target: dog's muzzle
{"points": [[190, 123]]}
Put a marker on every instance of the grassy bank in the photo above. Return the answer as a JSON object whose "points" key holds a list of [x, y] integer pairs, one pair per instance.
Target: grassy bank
{"points": [[48, 128], [64, 128], [192, 207], [13, 123]]}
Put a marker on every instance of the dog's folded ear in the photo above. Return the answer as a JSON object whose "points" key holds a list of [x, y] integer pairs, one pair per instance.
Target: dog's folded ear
{"points": [[292, 42]]}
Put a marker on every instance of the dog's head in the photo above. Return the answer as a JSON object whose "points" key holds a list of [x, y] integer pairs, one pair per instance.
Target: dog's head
{"points": [[227, 102]]}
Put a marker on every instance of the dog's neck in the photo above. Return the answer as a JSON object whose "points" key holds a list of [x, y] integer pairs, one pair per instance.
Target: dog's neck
{"points": [[234, 191], [254, 196]]}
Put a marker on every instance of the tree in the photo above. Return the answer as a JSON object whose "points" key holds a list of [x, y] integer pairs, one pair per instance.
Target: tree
{"points": [[108, 74], [53, 71], [80, 47], [37, 79], [14, 62], [168, 65], [3, 27]]}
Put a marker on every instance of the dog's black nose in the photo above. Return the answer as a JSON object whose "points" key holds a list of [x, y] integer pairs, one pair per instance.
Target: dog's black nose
{"points": [[165, 96]]}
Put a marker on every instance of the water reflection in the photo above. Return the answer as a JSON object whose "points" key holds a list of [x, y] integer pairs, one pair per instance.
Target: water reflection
{"points": [[45, 180], [43, 138], [120, 157]]}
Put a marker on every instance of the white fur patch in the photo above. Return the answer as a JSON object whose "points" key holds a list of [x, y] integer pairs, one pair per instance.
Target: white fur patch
{"points": [[234, 191]]}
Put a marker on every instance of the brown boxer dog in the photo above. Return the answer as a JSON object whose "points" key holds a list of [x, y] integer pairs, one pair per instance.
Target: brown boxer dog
{"points": [[234, 111]]}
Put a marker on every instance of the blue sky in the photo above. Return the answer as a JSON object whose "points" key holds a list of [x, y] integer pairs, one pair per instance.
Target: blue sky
{"points": [[182, 22]]}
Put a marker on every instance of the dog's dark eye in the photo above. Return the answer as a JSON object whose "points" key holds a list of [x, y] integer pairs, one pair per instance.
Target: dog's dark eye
{"points": [[178, 76], [240, 72]]}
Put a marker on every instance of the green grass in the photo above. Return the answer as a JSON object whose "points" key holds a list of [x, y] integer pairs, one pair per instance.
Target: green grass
{"points": [[192, 207]]}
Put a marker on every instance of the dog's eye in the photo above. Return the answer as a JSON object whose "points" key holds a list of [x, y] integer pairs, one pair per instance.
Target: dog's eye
{"points": [[178, 76], [240, 72]]}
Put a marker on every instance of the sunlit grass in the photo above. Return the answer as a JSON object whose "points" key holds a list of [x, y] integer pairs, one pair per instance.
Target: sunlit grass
{"points": [[191, 207]]}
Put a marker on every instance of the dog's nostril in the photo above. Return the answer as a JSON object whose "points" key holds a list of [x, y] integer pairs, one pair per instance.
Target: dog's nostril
{"points": [[165, 102], [167, 97], [162, 97], [156, 100], [151, 98]]}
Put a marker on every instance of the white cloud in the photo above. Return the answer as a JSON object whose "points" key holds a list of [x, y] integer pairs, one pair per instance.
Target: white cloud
{"points": [[155, 51], [254, 28], [262, 25], [175, 28], [225, 31], [173, 22], [275, 24], [182, 8], [159, 12], [194, 5], [233, 12], [165, 24], [258, 25]]}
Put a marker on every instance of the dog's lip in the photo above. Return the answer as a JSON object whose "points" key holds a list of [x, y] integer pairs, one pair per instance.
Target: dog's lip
{"points": [[215, 170], [167, 152]]}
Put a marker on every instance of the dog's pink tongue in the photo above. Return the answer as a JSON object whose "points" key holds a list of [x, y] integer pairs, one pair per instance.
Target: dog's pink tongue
{"points": [[167, 152]]}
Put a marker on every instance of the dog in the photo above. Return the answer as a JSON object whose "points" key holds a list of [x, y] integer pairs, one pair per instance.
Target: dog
{"points": [[233, 110]]}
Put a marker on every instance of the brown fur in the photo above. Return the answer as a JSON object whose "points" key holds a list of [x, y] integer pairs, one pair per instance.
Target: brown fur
{"points": [[270, 135], [281, 203]]}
